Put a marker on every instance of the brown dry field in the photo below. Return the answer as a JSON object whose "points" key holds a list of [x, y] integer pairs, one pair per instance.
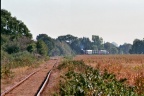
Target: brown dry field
{"points": [[123, 66]]}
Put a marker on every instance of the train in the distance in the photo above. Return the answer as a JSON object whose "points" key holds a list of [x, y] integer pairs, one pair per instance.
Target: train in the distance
{"points": [[95, 52]]}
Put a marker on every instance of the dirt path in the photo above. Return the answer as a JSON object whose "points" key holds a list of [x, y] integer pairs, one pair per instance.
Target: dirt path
{"points": [[30, 86]]}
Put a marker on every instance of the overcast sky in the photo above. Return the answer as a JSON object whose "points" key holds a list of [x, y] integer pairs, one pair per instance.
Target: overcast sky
{"points": [[114, 20]]}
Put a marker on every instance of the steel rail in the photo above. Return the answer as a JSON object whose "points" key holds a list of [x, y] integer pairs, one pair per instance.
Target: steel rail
{"points": [[44, 84], [13, 87], [45, 81], [23, 80]]}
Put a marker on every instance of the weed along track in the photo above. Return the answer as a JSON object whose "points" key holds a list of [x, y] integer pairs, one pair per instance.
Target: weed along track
{"points": [[33, 84]]}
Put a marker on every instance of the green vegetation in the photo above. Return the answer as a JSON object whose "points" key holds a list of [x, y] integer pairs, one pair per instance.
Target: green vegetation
{"points": [[42, 48], [19, 50], [56, 47], [112, 49], [125, 48], [83, 80], [17, 47], [47, 40], [97, 42], [76, 44], [137, 47], [17, 39], [11, 26]]}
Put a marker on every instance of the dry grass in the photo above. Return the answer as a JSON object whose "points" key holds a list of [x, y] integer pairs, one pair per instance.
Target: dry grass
{"points": [[20, 70], [123, 66], [17, 74]]}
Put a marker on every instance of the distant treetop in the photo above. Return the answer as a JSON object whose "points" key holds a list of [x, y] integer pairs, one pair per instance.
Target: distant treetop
{"points": [[11, 26]]}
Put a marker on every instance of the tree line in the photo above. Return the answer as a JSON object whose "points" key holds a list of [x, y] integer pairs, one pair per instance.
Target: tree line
{"points": [[17, 47], [69, 44], [16, 37]]}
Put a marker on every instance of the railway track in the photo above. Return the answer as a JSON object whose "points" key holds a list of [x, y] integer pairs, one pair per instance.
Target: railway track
{"points": [[34, 83]]}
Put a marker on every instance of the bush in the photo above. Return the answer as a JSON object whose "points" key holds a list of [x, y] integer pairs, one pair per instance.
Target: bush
{"points": [[5, 72], [82, 80], [5, 57], [4, 39], [31, 48], [22, 59], [12, 48]]}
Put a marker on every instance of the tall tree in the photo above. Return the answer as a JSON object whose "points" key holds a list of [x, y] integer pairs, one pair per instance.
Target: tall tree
{"points": [[61, 48], [137, 47], [124, 49], [112, 49], [85, 43], [67, 38], [48, 41], [11, 26], [76, 46], [42, 48], [97, 42]]}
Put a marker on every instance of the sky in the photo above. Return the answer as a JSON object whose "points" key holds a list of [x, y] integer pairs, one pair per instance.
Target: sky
{"points": [[119, 21]]}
